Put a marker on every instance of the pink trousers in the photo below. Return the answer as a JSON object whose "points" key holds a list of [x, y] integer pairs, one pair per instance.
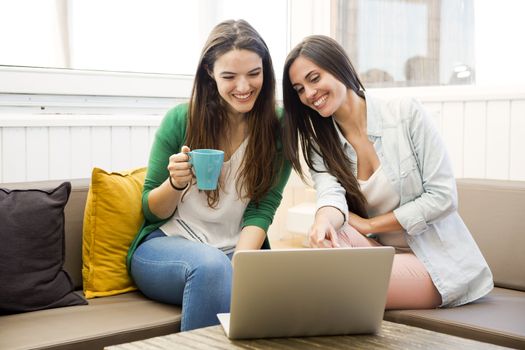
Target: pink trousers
{"points": [[410, 284]]}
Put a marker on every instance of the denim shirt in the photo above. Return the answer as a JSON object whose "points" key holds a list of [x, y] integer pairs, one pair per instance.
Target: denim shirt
{"points": [[415, 160]]}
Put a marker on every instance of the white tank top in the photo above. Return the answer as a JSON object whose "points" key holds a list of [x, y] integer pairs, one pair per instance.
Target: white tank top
{"points": [[219, 227], [382, 198]]}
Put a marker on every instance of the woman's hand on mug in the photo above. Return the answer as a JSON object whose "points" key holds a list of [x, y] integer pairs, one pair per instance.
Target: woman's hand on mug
{"points": [[180, 168]]}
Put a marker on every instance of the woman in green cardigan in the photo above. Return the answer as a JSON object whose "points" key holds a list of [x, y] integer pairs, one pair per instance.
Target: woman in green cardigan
{"points": [[182, 253]]}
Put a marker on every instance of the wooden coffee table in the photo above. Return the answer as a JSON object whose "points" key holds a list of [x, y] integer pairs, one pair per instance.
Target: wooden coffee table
{"points": [[391, 336]]}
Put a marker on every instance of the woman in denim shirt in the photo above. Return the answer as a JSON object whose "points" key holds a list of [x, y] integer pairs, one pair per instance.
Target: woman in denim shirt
{"points": [[382, 176]]}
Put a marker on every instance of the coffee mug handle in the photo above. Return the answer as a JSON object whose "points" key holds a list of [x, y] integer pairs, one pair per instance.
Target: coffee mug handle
{"points": [[190, 154]]}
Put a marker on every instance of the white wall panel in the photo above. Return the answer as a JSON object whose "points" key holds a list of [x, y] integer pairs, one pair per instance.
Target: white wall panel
{"points": [[517, 140], [485, 136], [37, 140], [498, 133], [14, 155], [80, 161], [436, 111], [140, 146], [101, 147], [120, 148], [453, 134], [152, 132], [475, 142], [59, 153]]}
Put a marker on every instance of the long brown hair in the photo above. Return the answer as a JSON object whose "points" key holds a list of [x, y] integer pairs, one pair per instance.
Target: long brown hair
{"points": [[315, 133], [208, 118]]}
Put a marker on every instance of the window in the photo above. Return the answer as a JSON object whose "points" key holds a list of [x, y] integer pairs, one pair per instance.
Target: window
{"points": [[135, 36], [408, 42], [433, 42], [147, 36], [30, 34], [127, 47]]}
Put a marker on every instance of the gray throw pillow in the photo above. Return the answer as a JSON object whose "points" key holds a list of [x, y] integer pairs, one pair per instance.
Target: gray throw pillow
{"points": [[32, 251]]}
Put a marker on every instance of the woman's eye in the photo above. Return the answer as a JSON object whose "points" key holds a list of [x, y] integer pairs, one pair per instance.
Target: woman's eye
{"points": [[227, 77], [315, 79], [254, 74], [299, 90]]}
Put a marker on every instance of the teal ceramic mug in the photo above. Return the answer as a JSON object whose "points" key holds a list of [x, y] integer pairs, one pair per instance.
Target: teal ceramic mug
{"points": [[207, 166]]}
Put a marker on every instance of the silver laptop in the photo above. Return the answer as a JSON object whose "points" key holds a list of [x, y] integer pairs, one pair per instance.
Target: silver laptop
{"points": [[307, 292]]}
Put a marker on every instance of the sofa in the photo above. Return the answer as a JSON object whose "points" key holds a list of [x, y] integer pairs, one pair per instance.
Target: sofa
{"points": [[491, 209], [104, 321]]}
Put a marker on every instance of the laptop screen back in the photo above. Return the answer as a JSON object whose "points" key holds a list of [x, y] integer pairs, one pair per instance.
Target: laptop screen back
{"points": [[308, 292]]}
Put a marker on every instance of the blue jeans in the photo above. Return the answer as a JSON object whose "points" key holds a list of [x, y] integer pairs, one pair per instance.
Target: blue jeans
{"points": [[177, 271]]}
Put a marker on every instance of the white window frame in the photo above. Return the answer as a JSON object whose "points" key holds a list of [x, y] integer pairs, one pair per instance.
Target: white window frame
{"points": [[304, 17], [22, 80]]}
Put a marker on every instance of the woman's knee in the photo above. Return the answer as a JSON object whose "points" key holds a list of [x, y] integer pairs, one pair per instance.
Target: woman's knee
{"points": [[214, 264], [411, 286]]}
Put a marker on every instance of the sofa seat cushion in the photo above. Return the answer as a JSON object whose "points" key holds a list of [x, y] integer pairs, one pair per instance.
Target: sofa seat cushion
{"points": [[497, 318], [105, 321]]}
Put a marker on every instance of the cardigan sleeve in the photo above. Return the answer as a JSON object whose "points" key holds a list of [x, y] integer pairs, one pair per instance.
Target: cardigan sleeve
{"points": [[169, 139]]}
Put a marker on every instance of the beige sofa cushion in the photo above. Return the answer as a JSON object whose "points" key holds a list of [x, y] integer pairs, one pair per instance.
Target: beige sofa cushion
{"points": [[74, 213], [497, 318], [105, 321], [494, 212]]}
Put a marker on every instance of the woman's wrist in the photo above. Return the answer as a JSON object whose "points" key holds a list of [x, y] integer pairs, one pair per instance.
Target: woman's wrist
{"points": [[175, 187], [363, 225], [331, 215], [369, 226]]}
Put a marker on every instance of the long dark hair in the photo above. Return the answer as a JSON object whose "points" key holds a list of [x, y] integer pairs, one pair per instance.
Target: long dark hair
{"points": [[314, 133], [208, 118]]}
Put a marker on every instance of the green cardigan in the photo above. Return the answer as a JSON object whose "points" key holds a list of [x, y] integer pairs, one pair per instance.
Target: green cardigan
{"points": [[169, 139]]}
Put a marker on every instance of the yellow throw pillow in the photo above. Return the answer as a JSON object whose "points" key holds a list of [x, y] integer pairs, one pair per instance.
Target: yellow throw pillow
{"points": [[112, 218]]}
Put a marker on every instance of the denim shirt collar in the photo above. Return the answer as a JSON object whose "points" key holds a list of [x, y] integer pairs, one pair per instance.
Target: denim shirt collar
{"points": [[373, 123]]}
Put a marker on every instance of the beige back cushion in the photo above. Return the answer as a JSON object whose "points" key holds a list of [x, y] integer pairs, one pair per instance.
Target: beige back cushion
{"points": [[494, 212]]}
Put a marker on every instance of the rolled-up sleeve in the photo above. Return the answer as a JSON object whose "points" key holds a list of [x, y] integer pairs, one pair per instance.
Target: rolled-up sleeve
{"points": [[439, 196], [168, 140], [329, 191]]}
